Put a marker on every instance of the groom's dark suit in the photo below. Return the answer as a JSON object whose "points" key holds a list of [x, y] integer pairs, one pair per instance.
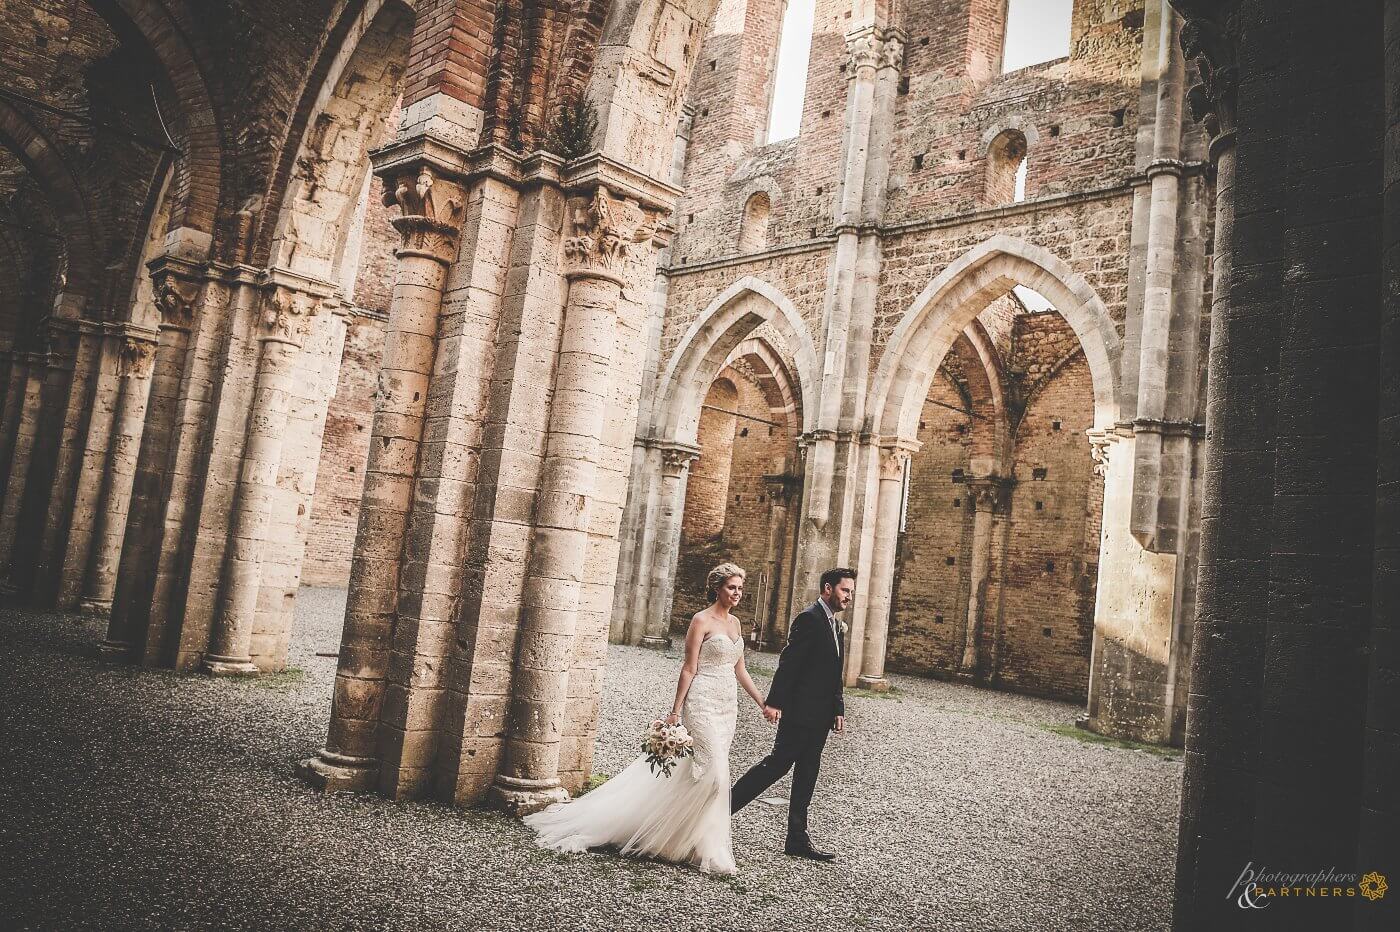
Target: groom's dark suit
{"points": [[807, 688]]}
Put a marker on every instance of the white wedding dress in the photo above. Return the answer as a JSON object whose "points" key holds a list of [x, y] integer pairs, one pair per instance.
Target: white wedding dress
{"points": [[682, 818]]}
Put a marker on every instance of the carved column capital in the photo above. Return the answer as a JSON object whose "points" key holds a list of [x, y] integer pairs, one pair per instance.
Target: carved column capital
{"points": [[676, 458], [286, 314], [862, 51], [892, 51], [1209, 34], [175, 298], [603, 234], [893, 456], [62, 342], [989, 493], [136, 357], [432, 213], [1100, 443]]}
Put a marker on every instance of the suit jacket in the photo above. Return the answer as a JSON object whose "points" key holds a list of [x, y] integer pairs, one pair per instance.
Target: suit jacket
{"points": [[807, 686]]}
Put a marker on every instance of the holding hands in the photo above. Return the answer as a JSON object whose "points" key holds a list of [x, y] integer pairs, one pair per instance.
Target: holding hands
{"points": [[772, 715]]}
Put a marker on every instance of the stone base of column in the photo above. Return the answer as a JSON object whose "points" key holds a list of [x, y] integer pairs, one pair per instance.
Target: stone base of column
{"points": [[876, 684], [215, 665], [329, 772], [97, 608], [114, 650], [655, 643], [522, 797]]}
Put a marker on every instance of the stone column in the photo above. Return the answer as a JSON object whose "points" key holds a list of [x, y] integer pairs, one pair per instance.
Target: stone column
{"points": [[893, 457], [1221, 759], [1156, 497], [282, 326], [988, 496], [176, 293], [93, 475], [432, 216], [134, 364], [171, 456], [17, 378], [604, 232], [661, 585], [780, 488], [27, 430], [59, 518]]}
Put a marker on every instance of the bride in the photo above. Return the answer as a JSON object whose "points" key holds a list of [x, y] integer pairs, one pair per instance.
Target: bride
{"points": [[683, 817]]}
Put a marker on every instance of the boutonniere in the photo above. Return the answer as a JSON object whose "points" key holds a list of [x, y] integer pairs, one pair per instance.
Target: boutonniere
{"points": [[844, 627]]}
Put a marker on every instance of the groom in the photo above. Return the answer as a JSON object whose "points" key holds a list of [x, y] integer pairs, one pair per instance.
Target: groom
{"points": [[805, 700]]}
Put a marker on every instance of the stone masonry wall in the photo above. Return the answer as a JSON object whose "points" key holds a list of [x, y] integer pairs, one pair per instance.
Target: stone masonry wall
{"points": [[740, 451], [1038, 621]]}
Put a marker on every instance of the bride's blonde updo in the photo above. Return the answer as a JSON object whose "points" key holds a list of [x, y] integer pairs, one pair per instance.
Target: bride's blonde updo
{"points": [[717, 577]]}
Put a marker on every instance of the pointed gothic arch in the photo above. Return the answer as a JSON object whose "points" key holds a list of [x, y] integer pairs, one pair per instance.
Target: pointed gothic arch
{"points": [[950, 302]]}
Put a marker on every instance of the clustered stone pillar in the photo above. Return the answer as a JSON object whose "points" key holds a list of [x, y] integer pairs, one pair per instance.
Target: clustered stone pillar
{"points": [[893, 457], [14, 404], [780, 489], [988, 496], [176, 295], [835, 450], [22, 451], [1157, 483], [134, 363], [432, 216], [605, 232], [283, 324], [675, 464]]}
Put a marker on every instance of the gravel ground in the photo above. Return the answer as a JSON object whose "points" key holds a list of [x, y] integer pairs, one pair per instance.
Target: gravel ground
{"points": [[139, 800]]}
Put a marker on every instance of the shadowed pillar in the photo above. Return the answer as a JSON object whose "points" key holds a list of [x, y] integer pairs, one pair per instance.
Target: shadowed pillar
{"points": [[430, 223], [603, 232], [282, 328], [989, 496], [675, 464], [893, 457]]}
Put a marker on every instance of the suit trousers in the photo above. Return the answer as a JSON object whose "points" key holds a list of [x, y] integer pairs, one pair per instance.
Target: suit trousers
{"points": [[798, 748]]}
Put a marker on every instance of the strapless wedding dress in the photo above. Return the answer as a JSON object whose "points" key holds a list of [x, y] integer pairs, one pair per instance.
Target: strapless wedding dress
{"points": [[682, 818]]}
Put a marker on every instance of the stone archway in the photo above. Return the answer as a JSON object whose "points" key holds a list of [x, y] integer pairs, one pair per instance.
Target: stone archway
{"points": [[656, 492], [942, 312], [948, 304]]}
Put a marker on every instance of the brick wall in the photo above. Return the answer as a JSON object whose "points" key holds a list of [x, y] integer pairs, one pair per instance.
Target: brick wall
{"points": [[1039, 609], [728, 503]]}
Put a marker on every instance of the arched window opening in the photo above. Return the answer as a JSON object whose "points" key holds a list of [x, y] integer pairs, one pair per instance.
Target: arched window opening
{"points": [[1036, 31], [1007, 167], [1033, 301], [790, 71], [753, 226]]}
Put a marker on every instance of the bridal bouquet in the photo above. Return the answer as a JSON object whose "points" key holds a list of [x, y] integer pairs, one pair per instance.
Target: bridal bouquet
{"points": [[665, 744]]}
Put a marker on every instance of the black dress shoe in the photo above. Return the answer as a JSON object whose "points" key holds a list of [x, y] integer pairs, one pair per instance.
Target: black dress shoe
{"points": [[807, 851]]}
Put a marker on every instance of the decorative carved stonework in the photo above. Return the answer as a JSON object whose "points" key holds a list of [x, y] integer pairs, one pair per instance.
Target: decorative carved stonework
{"points": [[892, 460], [863, 51], [432, 215], [989, 493], [892, 52], [675, 460], [1100, 441], [286, 314], [1208, 37], [605, 233], [136, 357], [175, 297]]}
